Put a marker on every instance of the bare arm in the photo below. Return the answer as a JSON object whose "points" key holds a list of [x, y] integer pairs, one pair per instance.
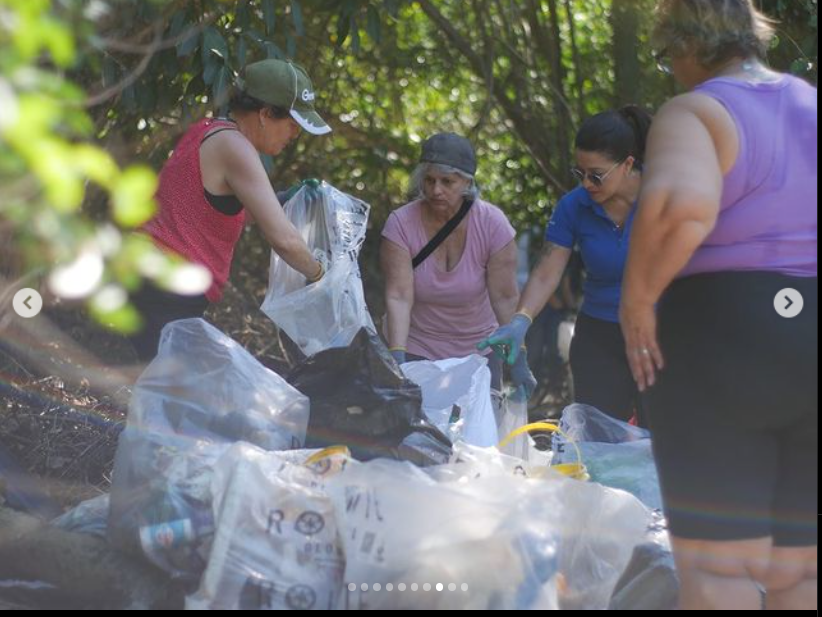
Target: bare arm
{"points": [[502, 282], [688, 152], [399, 291], [545, 279], [246, 176]]}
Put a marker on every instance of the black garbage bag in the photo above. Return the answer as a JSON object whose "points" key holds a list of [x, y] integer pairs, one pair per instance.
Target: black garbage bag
{"points": [[360, 399]]}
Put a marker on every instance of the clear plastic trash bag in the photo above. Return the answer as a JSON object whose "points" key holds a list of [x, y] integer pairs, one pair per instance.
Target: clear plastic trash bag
{"points": [[331, 312], [615, 453]]}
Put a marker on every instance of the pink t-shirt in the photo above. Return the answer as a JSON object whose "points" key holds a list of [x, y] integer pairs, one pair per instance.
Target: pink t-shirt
{"points": [[452, 310]]}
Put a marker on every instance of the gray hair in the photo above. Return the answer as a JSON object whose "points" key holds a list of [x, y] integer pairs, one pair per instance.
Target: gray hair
{"points": [[716, 31], [416, 183]]}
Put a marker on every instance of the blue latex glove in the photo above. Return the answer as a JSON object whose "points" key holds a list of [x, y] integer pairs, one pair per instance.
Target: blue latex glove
{"points": [[312, 184], [522, 378], [508, 339], [400, 356]]}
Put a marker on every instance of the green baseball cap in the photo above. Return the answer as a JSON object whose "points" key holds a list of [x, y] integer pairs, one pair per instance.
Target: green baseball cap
{"points": [[286, 85]]}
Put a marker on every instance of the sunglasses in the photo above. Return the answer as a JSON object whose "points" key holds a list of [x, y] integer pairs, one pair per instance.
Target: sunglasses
{"points": [[596, 179]]}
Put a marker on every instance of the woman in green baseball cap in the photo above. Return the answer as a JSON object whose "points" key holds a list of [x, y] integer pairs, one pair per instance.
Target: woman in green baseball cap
{"points": [[215, 181]]}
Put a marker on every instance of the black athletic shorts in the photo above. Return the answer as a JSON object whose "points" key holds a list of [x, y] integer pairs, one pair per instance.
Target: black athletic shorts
{"points": [[602, 375], [735, 414], [158, 308]]}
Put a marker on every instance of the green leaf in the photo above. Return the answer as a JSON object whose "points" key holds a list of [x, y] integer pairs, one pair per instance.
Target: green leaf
{"points": [[242, 52], [221, 83], [297, 18], [393, 8], [213, 44], [290, 45], [212, 66], [269, 16], [178, 21], [374, 27], [188, 45], [132, 196], [355, 36], [343, 29], [242, 17], [255, 36]]}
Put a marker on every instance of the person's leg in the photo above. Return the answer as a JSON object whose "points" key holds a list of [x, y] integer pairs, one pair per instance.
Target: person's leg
{"points": [[157, 309], [602, 377], [790, 582], [721, 575]]}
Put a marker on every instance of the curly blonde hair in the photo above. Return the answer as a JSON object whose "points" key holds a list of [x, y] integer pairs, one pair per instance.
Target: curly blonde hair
{"points": [[714, 30]]}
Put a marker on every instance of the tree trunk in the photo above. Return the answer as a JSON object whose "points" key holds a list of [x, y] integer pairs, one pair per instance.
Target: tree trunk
{"points": [[627, 70]]}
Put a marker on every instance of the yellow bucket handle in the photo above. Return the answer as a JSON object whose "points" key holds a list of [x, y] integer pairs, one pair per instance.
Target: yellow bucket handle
{"points": [[576, 470], [328, 453]]}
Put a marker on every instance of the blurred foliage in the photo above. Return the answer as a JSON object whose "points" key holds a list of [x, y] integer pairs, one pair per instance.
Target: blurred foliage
{"points": [[94, 93]]}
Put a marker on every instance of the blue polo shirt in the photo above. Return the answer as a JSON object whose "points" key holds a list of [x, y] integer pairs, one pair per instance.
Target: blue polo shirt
{"points": [[580, 221]]}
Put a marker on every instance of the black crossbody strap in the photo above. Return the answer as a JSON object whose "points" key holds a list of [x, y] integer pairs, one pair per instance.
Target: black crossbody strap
{"points": [[442, 234]]}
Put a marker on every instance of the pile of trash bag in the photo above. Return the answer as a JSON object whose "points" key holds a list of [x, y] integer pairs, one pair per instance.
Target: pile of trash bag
{"points": [[227, 478], [202, 393], [328, 313]]}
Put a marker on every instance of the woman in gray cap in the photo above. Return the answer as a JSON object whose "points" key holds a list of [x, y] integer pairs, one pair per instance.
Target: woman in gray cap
{"points": [[214, 182], [449, 260]]}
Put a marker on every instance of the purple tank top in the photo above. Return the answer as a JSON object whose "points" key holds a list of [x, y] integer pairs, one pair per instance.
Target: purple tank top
{"points": [[768, 217]]}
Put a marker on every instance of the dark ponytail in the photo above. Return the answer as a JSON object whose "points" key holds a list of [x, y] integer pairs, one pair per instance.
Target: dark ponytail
{"points": [[617, 134]]}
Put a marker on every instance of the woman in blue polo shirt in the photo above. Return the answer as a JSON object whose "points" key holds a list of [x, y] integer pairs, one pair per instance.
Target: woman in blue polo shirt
{"points": [[596, 217]]}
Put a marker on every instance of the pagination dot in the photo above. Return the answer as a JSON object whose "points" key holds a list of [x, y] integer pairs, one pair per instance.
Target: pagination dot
{"points": [[452, 587]]}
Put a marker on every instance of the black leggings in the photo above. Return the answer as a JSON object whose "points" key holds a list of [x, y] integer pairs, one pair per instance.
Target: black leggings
{"points": [[158, 308], [735, 413], [602, 376]]}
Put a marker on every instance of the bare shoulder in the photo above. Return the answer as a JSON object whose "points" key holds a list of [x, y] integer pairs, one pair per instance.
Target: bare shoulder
{"points": [[688, 115], [230, 143], [694, 104]]}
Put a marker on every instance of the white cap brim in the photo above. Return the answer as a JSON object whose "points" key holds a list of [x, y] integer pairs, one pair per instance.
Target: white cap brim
{"points": [[305, 122]]}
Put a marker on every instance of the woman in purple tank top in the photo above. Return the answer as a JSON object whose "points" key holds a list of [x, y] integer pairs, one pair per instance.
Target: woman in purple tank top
{"points": [[720, 311]]}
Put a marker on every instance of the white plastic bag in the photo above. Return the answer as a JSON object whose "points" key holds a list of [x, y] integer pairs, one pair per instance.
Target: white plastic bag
{"points": [[276, 546], [456, 398], [331, 312]]}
